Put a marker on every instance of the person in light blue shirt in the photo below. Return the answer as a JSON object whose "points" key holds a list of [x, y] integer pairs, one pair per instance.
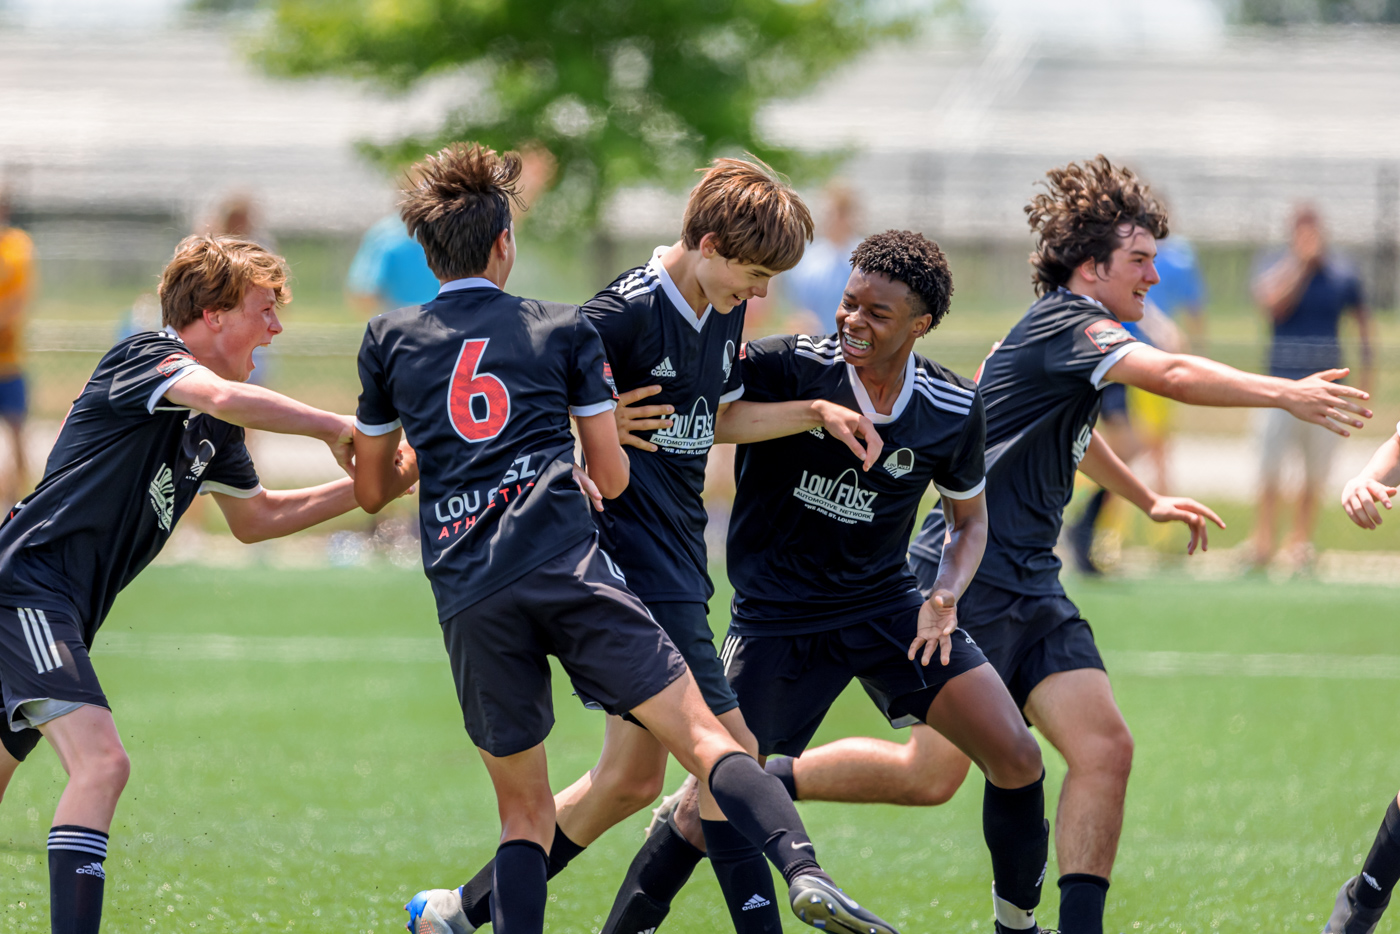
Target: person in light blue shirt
{"points": [[389, 271], [816, 284]]}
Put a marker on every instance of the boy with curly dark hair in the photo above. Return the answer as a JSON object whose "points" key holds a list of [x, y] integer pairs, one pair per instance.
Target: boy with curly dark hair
{"points": [[1097, 225]]}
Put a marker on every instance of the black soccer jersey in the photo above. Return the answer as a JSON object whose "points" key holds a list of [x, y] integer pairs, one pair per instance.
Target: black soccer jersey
{"points": [[483, 384], [656, 528], [815, 542], [1042, 389], [125, 467]]}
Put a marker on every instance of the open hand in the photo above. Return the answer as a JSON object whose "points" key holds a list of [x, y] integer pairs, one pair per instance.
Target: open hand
{"points": [[852, 427], [938, 617], [632, 418], [1321, 400], [1359, 498], [1182, 509]]}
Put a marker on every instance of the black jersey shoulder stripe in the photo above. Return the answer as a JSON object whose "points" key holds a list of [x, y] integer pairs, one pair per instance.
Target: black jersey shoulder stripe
{"points": [[824, 350], [939, 383], [639, 283], [942, 391], [939, 402]]}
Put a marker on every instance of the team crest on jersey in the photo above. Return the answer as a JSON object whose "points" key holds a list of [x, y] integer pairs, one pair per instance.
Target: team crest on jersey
{"points": [[201, 459], [608, 378], [162, 491], [175, 363], [1105, 334], [899, 463], [841, 499], [728, 358]]}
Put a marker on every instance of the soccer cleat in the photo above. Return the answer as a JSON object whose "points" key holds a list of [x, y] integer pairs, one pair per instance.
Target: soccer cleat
{"points": [[818, 902], [663, 811], [1003, 929], [1011, 919], [1350, 918], [437, 911]]}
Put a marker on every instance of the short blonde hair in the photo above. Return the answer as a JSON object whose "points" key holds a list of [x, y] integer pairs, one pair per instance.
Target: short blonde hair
{"points": [[214, 273], [753, 212]]}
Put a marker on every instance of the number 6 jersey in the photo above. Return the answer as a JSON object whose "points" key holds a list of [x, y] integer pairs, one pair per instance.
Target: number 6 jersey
{"points": [[483, 384]]}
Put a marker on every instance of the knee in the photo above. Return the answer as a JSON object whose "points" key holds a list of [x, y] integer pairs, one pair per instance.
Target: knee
{"points": [[109, 769], [929, 791], [1024, 765], [1109, 753], [633, 789]]}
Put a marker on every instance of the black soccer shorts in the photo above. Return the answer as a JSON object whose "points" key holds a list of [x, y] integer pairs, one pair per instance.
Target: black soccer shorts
{"points": [[575, 607], [42, 657], [688, 625], [786, 684], [1027, 638]]}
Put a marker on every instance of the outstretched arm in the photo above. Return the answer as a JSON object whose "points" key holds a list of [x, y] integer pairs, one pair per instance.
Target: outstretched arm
{"points": [[275, 513], [385, 467], [1105, 468], [1376, 482], [256, 407], [1199, 381], [963, 545], [742, 422]]}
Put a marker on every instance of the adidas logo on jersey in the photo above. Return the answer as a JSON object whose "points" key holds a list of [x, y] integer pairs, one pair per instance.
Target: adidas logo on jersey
{"points": [[817, 433], [91, 869], [663, 368], [899, 463], [756, 901]]}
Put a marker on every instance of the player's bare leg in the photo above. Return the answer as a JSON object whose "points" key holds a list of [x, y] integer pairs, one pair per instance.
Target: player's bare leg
{"points": [[1076, 712], [526, 806], [1265, 521], [8, 764], [17, 478], [926, 771], [630, 774]]}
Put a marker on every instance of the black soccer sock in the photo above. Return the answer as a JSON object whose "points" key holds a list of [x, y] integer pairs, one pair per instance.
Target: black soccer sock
{"points": [[744, 878], [1082, 898], [76, 878], [780, 767], [760, 809], [658, 873], [519, 888], [476, 894], [1013, 824], [1381, 870]]}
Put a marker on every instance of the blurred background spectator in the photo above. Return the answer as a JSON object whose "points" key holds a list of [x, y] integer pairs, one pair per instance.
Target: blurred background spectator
{"points": [[18, 275], [1303, 290], [814, 287]]}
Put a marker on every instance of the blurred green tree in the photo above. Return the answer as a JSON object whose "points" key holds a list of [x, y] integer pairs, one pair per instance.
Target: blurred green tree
{"points": [[619, 91]]}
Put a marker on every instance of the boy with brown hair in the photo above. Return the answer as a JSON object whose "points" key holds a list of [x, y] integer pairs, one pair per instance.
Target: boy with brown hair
{"points": [[482, 383], [160, 420]]}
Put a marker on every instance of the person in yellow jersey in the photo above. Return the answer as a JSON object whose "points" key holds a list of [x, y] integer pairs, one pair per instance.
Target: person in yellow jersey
{"points": [[17, 279]]}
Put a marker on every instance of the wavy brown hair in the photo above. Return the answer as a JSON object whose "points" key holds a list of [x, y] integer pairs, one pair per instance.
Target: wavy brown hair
{"points": [[1086, 212], [456, 202], [214, 273], [753, 212]]}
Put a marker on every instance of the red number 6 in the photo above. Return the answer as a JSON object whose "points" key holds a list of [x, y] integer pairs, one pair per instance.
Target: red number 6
{"points": [[467, 384]]}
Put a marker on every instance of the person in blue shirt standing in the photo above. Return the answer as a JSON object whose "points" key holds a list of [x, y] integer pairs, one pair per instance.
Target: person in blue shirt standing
{"points": [[1303, 291], [389, 271]]}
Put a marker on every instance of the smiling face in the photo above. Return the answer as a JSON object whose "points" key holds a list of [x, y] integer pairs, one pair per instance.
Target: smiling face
{"points": [[1121, 284], [878, 320], [252, 324], [726, 283]]}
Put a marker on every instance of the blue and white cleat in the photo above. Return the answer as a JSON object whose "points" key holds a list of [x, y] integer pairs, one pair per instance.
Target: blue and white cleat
{"points": [[437, 911], [816, 901]]}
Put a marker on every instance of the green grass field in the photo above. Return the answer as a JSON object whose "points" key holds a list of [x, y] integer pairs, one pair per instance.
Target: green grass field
{"points": [[312, 773]]}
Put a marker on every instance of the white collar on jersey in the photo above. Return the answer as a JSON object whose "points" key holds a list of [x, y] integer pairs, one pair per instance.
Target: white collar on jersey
{"points": [[1085, 297], [668, 285], [168, 330], [471, 282], [863, 398]]}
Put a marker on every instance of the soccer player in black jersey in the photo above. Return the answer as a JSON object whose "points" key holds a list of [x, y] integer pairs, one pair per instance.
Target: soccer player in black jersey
{"points": [[482, 384], [816, 550], [671, 330], [1364, 897], [1097, 226], [160, 420]]}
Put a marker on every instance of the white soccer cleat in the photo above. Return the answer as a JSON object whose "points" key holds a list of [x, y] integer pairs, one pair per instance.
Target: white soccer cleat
{"points": [[663, 811], [821, 904], [437, 911]]}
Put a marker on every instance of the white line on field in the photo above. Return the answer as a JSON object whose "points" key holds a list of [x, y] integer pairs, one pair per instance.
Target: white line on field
{"points": [[409, 649]]}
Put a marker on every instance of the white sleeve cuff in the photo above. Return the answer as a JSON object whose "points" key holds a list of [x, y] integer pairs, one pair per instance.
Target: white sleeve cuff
{"points": [[375, 431], [597, 408], [169, 381], [211, 486], [1106, 364], [731, 395], [965, 494]]}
